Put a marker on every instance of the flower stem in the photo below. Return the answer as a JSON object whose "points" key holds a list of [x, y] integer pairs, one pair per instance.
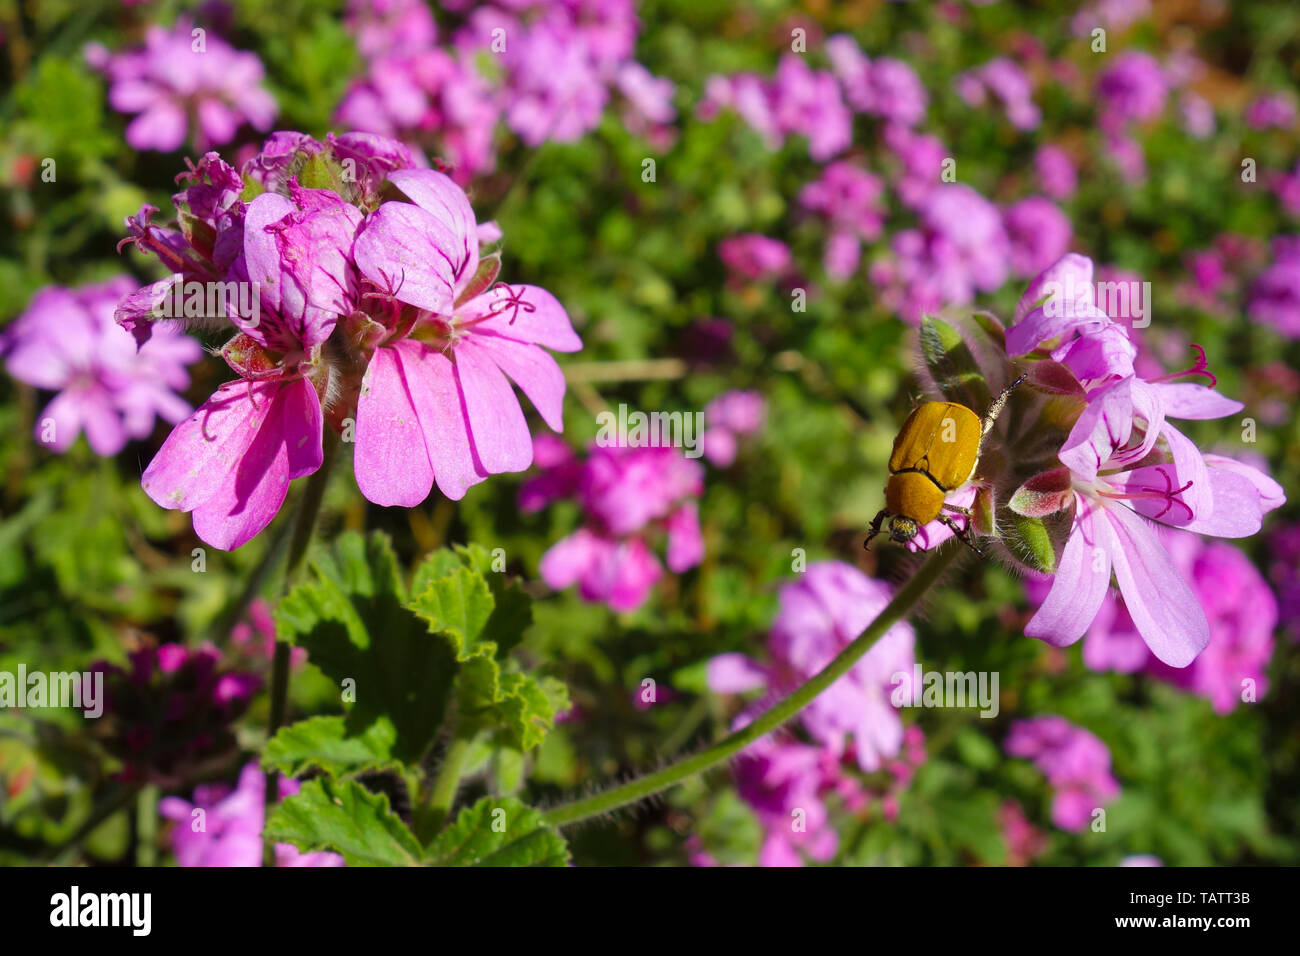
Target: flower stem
{"points": [[729, 746], [304, 522], [443, 793]]}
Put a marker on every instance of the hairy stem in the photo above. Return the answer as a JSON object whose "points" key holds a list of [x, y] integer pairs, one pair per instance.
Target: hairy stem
{"points": [[906, 598]]}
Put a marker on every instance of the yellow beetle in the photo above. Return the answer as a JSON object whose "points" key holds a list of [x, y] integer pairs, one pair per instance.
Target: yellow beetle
{"points": [[936, 453]]}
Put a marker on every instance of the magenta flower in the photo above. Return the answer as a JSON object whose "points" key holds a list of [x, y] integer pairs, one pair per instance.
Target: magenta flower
{"points": [[67, 342], [1038, 233], [1075, 762], [1002, 78], [1242, 613], [630, 495], [730, 417], [1132, 88], [169, 714], [960, 248], [785, 783], [1271, 111], [1275, 294], [754, 257], [228, 831], [1056, 172], [1125, 467], [797, 100], [185, 78], [378, 314], [822, 611], [851, 201]]}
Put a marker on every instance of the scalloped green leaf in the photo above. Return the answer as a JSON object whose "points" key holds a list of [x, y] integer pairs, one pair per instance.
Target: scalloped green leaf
{"points": [[324, 743], [343, 816], [498, 831], [350, 615]]}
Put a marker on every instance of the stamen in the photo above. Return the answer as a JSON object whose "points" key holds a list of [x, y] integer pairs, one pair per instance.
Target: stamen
{"points": [[1200, 368], [1169, 493]]}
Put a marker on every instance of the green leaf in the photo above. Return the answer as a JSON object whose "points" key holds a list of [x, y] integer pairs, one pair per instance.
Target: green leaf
{"points": [[458, 606], [352, 621], [344, 816], [498, 831], [323, 742]]}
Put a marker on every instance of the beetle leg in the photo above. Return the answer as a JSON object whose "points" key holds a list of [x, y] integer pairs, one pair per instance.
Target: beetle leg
{"points": [[959, 509], [960, 533], [999, 403], [875, 528]]}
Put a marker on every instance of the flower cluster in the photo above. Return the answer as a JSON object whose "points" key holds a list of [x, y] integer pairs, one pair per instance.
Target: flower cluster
{"points": [[168, 714], [850, 201], [547, 70], [821, 612], [67, 342], [1123, 468], [630, 495], [1075, 762], [374, 311], [183, 79], [223, 825]]}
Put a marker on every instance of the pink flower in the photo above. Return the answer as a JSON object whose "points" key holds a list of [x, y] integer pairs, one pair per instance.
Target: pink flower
{"points": [[1039, 234], [1133, 87], [1242, 613], [223, 827], [1125, 467], [386, 317], [822, 611], [755, 257], [67, 342], [1005, 80], [1075, 762], [629, 495], [850, 200], [728, 418], [185, 77], [1056, 172], [1275, 294], [1271, 111], [436, 402]]}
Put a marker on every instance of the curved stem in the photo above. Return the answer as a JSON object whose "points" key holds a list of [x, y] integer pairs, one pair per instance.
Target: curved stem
{"points": [[906, 598], [304, 522]]}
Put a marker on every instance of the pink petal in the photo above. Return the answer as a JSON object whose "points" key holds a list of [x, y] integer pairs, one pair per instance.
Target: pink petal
{"points": [[531, 368], [431, 379], [497, 427], [525, 313], [262, 256], [407, 251], [391, 463], [735, 674], [439, 195], [566, 561], [1191, 401], [1163, 607], [685, 542], [286, 446], [1081, 581], [200, 454], [161, 127], [1271, 494]]}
